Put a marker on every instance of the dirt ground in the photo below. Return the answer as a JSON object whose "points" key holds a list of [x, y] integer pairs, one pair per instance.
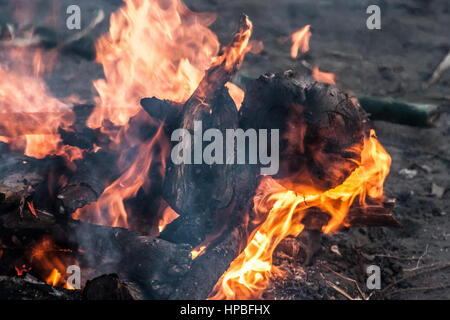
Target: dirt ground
{"points": [[395, 61]]}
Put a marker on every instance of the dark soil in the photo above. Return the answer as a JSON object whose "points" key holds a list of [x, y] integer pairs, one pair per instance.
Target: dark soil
{"points": [[395, 61]]}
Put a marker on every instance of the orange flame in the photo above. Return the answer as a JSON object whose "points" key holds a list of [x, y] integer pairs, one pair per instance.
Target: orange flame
{"points": [[236, 93], [110, 208], [54, 278], [325, 77], [249, 274], [234, 54], [32, 210], [300, 41], [168, 216], [198, 251], [29, 114], [151, 50], [46, 259]]}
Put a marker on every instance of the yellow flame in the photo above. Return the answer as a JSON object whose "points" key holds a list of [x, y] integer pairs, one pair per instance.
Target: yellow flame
{"points": [[249, 274]]}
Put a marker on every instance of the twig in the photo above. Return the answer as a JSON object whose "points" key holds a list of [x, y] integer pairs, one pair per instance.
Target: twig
{"points": [[97, 20], [421, 271], [393, 257], [442, 286], [363, 296], [444, 65], [335, 287], [418, 260]]}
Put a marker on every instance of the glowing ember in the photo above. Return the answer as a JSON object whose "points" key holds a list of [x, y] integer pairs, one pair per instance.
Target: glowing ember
{"points": [[22, 270], [249, 274], [32, 210], [198, 251], [300, 41], [325, 77]]}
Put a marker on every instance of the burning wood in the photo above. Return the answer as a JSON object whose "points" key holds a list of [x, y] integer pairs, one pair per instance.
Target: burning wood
{"points": [[332, 167]]}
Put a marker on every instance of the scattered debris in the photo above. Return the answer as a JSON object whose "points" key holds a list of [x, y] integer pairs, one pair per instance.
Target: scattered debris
{"points": [[335, 249], [444, 65], [78, 43], [408, 173], [425, 168], [437, 190]]}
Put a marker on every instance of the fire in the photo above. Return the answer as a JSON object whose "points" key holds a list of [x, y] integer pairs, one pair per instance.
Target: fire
{"points": [[54, 278], [168, 216], [249, 274], [22, 270], [198, 251], [325, 77], [236, 93], [32, 210], [110, 208], [233, 55], [47, 259], [300, 41], [30, 114], [152, 49]]}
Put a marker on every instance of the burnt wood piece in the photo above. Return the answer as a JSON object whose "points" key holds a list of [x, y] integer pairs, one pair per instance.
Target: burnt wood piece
{"points": [[321, 128], [164, 110], [154, 264], [87, 182], [20, 176], [307, 244], [79, 134], [14, 288], [110, 287], [199, 191], [207, 269], [373, 215], [302, 248]]}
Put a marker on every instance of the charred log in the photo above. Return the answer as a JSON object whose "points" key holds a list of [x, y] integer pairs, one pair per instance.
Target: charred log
{"points": [[321, 128], [86, 184], [307, 244], [110, 287], [198, 191], [13, 288], [154, 264], [199, 282]]}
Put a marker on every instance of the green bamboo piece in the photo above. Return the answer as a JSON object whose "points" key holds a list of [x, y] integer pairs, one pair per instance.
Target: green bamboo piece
{"points": [[402, 112]]}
